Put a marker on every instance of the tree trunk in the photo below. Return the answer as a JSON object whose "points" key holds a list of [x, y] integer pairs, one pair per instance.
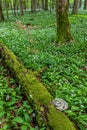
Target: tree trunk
{"points": [[33, 5], [46, 4], [25, 3], [6, 7], [1, 13], [50, 6], [36, 93], [43, 4], [63, 26], [21, 7], [14, 6], [38, 4], [11, 7], [80, 3], [85, 4], [75, 7], [68, 3]]}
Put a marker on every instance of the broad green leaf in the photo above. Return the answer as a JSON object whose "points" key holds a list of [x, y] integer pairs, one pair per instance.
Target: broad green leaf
{"points": [[18, 120], [23, 127]]}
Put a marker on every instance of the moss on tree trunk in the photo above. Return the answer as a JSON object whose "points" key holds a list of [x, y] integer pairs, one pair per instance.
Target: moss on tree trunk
{"points": [[63, 26], [36, 93]]}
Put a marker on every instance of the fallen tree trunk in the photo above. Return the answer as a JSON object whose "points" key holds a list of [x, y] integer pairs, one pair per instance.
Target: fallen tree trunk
{"points": [[36, 94]]}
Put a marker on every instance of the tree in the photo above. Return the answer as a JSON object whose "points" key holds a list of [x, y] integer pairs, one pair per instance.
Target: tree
{"points": [[43, 4], [85, 4], [46, 4], [63, 26], [6, 7], [36, 94], [1, 13], [75, 7], [33, 5], [80, 3], [21, 7], [14, 7]]}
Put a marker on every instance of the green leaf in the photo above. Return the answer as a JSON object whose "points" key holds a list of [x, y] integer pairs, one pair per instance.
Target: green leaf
{"points": [[27, 117], [23, 127], [18, 119]]}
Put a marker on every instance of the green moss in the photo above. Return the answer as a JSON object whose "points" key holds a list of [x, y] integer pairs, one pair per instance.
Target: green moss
{"points": [[36, 93], [58, 121], [29, 82], [63, 26]]}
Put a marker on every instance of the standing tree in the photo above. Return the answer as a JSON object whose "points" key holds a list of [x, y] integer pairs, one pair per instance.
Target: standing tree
{"points": [[21, 7], [46, 4], [80, 3], [33, 5], [1, 13], [63, 26], [6, 7], [14, 7], [85, 4], [75, 7], [43, 4]]}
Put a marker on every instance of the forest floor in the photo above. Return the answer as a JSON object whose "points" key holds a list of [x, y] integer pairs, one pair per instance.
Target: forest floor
{"points": [[15, 111], [62, 68]]}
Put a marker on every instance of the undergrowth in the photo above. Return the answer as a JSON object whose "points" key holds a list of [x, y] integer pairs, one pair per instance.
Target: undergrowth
{"points": [[15, 111], [63, 69]]}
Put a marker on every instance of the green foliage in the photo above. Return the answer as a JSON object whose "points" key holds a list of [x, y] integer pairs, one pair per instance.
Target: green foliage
{"points": [[14, 110], [63, 69]]}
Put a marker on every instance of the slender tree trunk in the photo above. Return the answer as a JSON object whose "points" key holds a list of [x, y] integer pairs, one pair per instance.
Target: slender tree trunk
{"points": [[14, 6], [68, 3], [46, 4], [38, 4], [80, 3], [50, 6], [85, 4], [24, 3], [63, 26], [33, 5], [11, 7], [75, 7], [21, 7], [1, 13], [6, 6], [43, 4]]}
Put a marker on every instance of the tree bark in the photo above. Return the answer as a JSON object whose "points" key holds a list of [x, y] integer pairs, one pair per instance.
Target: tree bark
{"points": [[14, 6], [33, 5], [43, 4], [21, 7], [85, 4], [36, 93], [6, 7], [63, 26], [1, 13], [46, 4], [80, 3], [75, 7]]}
